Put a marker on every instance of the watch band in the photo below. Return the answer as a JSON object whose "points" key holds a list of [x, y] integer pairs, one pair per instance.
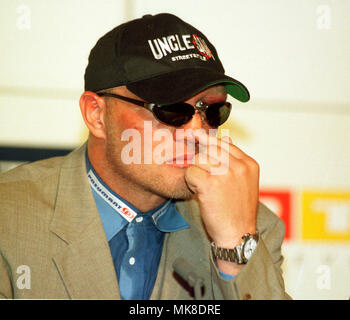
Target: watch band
{"points": [[232, 255], [236, 254]]}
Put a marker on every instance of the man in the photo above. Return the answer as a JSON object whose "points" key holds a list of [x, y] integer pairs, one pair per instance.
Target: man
{"points": [[115, 217]]}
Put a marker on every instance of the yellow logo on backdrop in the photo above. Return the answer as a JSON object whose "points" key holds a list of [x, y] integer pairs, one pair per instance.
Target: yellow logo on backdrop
{"points": [[326, 216]]}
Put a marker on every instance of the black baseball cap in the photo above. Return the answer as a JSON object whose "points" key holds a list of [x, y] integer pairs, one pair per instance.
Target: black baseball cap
{"points": [[161, 59]]}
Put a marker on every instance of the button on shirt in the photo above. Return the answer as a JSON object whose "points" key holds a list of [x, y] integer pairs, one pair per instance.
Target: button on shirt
{"points": [[135, 238]]}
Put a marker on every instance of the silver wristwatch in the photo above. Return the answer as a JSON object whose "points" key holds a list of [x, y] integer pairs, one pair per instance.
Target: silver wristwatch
{"points": [[240, 254]]}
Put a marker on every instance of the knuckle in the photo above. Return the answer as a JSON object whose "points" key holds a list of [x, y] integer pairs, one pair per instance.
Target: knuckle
{"points": [[242, 168], [247, 166], [254, 164], [251, 163]]}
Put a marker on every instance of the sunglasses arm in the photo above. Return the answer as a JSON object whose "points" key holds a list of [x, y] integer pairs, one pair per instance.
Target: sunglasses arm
{"points": [[127, 99]]}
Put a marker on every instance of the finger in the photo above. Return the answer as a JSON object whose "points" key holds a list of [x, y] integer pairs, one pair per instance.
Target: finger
{"points": [[218, 161], [217, 165], [205, 140]]}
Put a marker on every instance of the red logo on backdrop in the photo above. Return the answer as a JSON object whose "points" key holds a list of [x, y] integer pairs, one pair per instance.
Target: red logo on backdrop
{"points": [[127, 213], [280, 203]]}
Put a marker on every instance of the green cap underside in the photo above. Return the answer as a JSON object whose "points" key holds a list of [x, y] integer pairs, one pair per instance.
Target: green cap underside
{"points": [[237, 91], [234, 89]]}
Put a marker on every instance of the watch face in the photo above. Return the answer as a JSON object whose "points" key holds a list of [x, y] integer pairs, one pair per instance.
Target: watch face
{"points": [[249, 248]]}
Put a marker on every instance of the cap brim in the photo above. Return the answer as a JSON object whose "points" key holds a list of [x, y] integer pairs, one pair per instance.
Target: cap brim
{"points": [[183, 84]]}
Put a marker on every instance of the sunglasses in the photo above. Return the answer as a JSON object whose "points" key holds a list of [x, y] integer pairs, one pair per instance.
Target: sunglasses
{"points": [[178, 114]]}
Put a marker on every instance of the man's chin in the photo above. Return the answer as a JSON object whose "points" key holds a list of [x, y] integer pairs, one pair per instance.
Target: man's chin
{"points": [[174, 189], [181, 195]]}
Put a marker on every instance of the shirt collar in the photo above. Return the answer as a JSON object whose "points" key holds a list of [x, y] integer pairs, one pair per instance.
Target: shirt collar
{"points": [[116, 212]]}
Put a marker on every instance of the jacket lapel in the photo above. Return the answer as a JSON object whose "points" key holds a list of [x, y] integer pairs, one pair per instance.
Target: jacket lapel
{"points": [[84, 263], [191, 245]]}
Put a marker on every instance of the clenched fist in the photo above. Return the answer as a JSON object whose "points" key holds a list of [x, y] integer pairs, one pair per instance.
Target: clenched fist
{"points": [[227, 191]]}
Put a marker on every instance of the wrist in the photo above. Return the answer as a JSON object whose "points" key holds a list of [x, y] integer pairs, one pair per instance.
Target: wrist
{"points": [[233, 239], [227, 267]]}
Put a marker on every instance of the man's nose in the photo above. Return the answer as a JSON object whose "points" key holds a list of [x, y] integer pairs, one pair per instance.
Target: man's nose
{"points": [[188, 131], [195, 123]]}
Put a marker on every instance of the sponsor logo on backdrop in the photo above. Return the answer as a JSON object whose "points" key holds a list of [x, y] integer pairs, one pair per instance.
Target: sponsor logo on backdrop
{"points": [[326, 215], [279, 202]]}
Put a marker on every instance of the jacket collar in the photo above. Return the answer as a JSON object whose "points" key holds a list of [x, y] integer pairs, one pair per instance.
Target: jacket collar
{"points": [[85, 263]]}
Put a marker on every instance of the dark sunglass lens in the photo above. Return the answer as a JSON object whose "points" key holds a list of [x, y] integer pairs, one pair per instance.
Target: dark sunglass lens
{"points": [[175, 115], [218, 113]]}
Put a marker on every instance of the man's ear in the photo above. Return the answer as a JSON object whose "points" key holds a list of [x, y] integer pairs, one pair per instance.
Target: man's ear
{"points": [[93, 109]]}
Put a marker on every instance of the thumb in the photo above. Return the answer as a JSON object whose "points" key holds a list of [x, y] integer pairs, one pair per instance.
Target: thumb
{"points": [[194, 177]]}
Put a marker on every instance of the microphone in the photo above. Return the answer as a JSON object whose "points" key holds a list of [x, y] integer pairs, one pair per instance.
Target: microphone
{"points": [[187, 273]]}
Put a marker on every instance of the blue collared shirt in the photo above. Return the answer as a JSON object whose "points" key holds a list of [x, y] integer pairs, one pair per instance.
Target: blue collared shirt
{"points": [[136, 245]]}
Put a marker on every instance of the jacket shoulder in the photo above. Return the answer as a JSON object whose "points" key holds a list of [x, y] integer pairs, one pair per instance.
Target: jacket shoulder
{"points": [[32, 171], [29, 191], [267, 219], [270, 227]]}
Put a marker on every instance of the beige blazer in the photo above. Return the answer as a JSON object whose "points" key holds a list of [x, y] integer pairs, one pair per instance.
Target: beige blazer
{"points": [[53, 245]]}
